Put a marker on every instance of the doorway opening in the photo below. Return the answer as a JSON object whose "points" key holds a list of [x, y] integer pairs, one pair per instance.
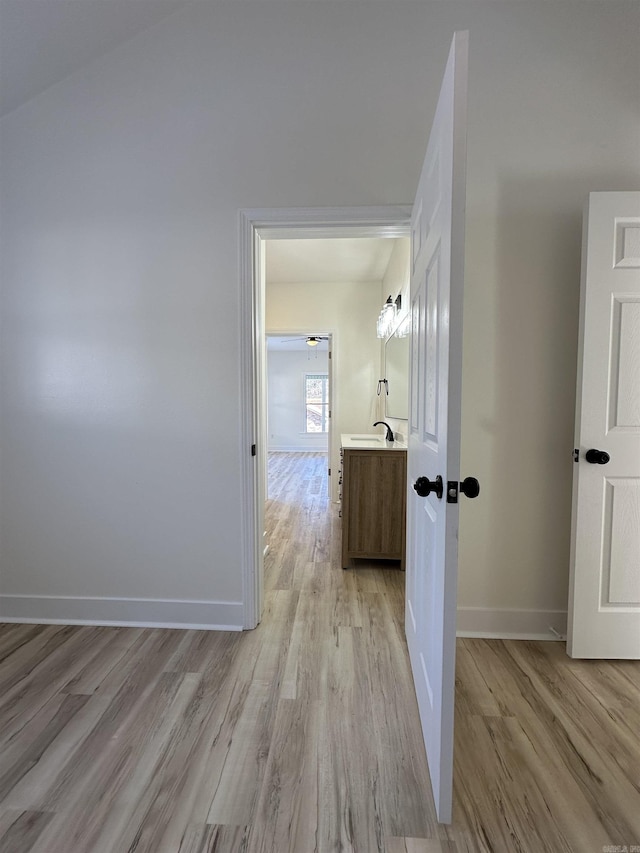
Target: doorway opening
{"points": [[257, 229], [299, 388]]}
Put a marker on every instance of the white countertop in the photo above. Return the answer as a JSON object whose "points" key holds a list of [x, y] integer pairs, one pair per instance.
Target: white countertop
{"points": [[375, 441]]}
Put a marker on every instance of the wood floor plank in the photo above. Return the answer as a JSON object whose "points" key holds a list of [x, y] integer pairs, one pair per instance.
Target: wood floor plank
{"points": [[128, 669], [306, 659], [419, 845], [613, 708], [14, 636], [280, 563], [127, 716], [159, 820], [185, 779], [19, 830], [17, 666], [351, 813], [92, 797], [584, 793], [286, 817], [91, 676], [207, 838], [25, 752], [46, 676], [473, 695], [120, 828], [32, 788], [573, 723], [563, 799], [238, 786], [407, 805], [197, 649]]}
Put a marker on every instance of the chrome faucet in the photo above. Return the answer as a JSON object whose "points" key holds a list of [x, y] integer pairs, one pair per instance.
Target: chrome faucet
{"points": [[389, 435]]}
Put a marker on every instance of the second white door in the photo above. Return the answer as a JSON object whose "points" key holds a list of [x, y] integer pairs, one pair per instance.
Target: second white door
{"points": [[604, 603]]}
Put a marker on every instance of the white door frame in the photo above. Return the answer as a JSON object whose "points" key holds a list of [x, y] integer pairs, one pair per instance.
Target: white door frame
{"points": [[256, 225]]}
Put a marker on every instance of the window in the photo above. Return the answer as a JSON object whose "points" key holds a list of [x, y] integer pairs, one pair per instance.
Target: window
{"points": [[316, 402]]}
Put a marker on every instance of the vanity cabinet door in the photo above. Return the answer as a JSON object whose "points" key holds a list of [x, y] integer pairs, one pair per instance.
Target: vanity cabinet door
{"points": [[374, 499]]}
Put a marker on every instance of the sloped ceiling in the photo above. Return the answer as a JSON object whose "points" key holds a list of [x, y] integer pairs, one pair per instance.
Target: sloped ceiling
{"points": [[44, 41]]}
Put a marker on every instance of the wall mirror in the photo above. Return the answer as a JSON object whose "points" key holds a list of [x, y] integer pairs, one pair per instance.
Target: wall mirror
{"points": [[396, 367]]}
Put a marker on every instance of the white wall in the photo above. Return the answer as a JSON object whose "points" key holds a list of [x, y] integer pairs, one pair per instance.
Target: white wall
{"points": [[285, 399], [349, 311], [119, 425]]}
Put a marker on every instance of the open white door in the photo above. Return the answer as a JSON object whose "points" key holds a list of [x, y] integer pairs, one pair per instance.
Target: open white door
{"points": [[604, 596], [437, 281]]}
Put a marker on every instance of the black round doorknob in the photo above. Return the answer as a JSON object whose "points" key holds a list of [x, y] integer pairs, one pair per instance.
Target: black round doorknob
{"points": [[597, 457], [470, 487], [424, 486]]}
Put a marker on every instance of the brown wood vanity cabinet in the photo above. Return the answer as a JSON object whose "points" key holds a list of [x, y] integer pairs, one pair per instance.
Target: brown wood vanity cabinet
{"points": [[374, 484]]}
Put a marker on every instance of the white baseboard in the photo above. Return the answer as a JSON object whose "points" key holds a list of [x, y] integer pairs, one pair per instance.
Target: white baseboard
{"points": [[502, 624], [228, 616], [124, 612]]}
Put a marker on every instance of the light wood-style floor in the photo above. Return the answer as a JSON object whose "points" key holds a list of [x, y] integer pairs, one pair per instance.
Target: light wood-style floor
{"points": [[303, 735]]}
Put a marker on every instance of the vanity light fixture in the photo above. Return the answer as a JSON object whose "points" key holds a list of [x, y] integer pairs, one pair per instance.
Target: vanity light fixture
{"points": [[386, 318], [388, 315]]}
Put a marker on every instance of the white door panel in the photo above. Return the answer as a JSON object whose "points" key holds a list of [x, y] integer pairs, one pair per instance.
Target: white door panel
{"points": [[434, 427], [604, 605]]}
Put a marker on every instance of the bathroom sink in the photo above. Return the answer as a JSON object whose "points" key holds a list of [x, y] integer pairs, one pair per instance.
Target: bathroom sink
{"points": [[370, 440]]}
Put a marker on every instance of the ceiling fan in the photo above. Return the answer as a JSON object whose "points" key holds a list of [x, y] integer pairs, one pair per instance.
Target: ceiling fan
{"points": [[312, 340]]}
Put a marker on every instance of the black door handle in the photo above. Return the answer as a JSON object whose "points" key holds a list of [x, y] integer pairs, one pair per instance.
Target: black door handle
{"points": [[470, 487], [424, 486], [597, 457]]}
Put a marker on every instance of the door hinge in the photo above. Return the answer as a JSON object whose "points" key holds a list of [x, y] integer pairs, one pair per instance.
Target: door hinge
{"points": [[576, 454], [452, 492], [253, 450], [329, 470]]}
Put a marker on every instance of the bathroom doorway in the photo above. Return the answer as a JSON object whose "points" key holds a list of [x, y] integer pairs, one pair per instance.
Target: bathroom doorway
{"points": [[300, 226]]}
